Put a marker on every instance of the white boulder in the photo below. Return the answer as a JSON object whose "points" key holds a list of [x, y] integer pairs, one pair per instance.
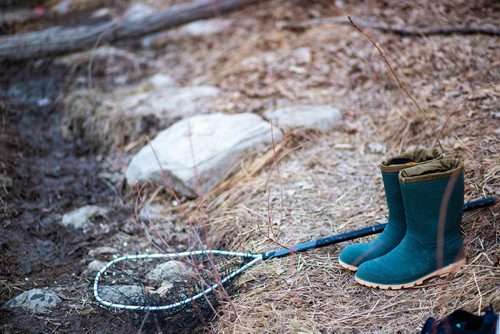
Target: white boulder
{"points": [[197, 153]]}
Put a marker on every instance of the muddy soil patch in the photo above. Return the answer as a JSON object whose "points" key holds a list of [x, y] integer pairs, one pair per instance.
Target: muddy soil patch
{"points": [[44, 178]]}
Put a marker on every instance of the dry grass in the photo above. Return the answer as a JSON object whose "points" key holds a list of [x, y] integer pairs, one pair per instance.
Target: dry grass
{"points": [[93, 122]]}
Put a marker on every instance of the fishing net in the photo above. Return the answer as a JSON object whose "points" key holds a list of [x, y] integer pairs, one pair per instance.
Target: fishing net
{"points": [[171, 293]]}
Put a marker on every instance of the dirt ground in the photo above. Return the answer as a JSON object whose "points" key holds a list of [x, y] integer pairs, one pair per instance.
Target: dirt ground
{"points": [[324, 183]]}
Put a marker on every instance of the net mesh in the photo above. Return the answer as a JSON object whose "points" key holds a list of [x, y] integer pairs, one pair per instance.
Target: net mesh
{"points": [[158, 282]]}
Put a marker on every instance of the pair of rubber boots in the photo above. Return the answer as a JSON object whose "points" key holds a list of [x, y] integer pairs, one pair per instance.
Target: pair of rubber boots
{"points": [[422, 239]]}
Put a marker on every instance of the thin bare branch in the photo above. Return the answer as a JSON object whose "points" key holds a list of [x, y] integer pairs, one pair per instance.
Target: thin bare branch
{"points": [[401, 85]]}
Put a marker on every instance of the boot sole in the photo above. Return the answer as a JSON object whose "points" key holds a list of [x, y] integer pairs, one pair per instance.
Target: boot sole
{"points": [[347, 266], [443, 272]]}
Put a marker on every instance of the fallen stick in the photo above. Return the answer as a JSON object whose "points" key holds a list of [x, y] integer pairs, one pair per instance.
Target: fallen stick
{"points": [[398, 30], [59, 40]]}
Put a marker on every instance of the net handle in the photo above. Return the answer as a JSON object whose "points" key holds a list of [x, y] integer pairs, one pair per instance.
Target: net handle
{"points": [[334, 239]]}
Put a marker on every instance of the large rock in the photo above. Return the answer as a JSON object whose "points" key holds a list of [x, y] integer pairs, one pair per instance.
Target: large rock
{"points": [[35, 300], [198, 153], [312, 117], [82, 218]]}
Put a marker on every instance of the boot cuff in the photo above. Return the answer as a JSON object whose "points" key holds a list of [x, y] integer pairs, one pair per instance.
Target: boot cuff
{"points": [[412, 158], [431, 170]]}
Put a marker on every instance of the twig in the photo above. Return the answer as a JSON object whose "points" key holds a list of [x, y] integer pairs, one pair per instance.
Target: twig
{"points": [[398, 30], [401, 85]]}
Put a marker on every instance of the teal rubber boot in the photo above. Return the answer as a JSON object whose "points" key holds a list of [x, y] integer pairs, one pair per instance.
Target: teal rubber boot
{"points": [[433, 197], [354, 255]]}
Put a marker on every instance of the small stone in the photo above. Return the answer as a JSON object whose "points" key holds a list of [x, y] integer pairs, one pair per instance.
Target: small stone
{"points": [[63, 7], [161, 80], [138, 11], [35, 300], [123, 294], [303, 55], [82, 218], [170, 271], [297, 69], [43, 102], [104, 250], [202, 28], [199, 152], [342, 146], [101, 13], [95, 266], [312, 117], [377, 148]]}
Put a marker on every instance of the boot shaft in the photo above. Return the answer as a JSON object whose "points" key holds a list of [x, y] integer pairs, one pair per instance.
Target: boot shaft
{"points": [[433, 197], [390, 169], [393, 197]]}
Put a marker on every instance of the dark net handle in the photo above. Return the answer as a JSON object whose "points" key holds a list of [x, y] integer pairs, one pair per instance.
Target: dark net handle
{"points": [[305, 246]]}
